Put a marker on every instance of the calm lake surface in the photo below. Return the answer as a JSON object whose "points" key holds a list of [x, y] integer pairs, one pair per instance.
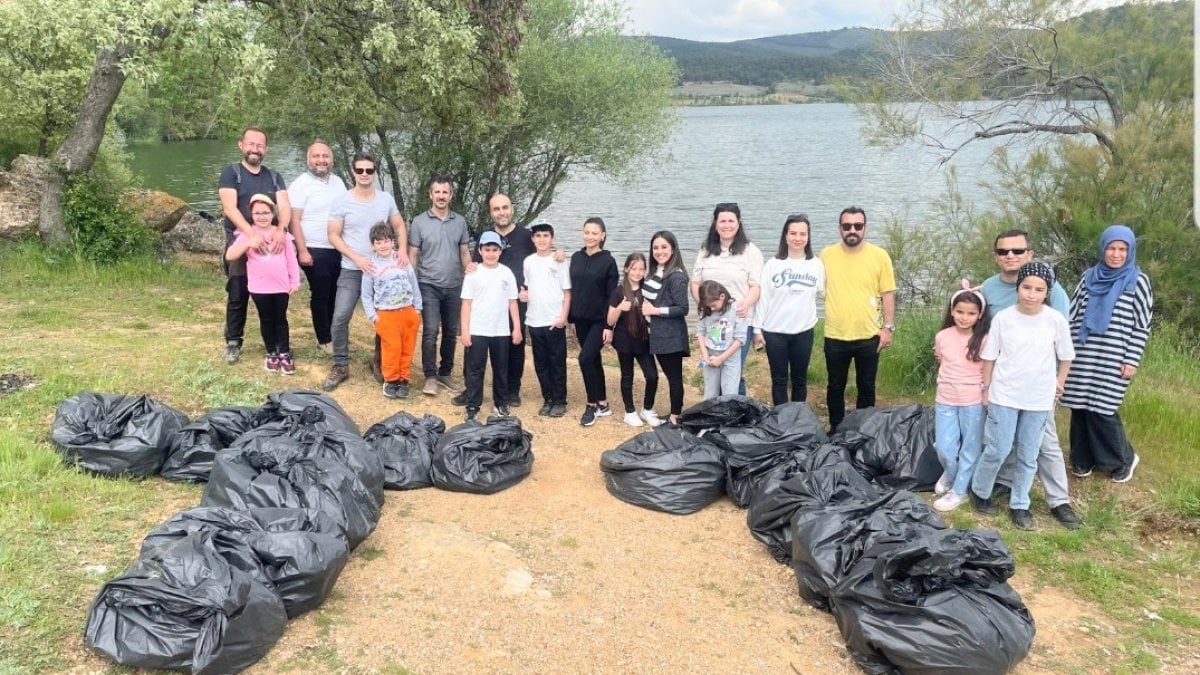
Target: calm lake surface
{"points": [[771, 160]]}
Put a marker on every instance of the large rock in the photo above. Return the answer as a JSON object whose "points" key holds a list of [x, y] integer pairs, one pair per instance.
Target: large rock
{"points": [[159, 210], [194, 234], [21, 190]]}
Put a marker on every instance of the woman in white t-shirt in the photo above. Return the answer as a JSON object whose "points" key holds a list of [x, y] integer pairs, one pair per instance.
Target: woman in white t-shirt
{"points": [[729, 258], [787, 310]]}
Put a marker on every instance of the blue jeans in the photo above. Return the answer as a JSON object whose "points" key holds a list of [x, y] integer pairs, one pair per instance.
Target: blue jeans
{"points": [[958, 438], [1005, 427], [744, 353], [440, 309], [345, 299]]}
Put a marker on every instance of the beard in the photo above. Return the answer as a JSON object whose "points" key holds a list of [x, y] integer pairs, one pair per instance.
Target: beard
{"points": [[253, 158], [318, 172], [852, 239]]}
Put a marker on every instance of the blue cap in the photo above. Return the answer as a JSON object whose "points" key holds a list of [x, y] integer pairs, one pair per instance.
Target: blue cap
{"points": [[490, 237]]}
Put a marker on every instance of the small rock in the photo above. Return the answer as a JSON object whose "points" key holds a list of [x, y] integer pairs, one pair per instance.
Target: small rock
{"points": [[517, 582], [95, 570]]}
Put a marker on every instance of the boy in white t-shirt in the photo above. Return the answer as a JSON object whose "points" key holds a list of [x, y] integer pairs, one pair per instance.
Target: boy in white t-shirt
{"points": [[489, 307], [548, 292]]}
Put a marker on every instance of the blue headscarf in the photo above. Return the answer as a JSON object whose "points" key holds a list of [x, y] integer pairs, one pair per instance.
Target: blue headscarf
{"points": [[1106, 284]]}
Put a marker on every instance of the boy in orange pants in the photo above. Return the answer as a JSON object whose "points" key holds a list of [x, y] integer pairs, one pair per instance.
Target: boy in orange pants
{"points": [[392, 301]]}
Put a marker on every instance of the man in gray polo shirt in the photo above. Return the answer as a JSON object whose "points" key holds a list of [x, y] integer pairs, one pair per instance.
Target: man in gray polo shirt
{"points": [[438, 246]]}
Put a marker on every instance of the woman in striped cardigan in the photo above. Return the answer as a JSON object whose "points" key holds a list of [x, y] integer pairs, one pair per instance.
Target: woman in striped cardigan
{"points": [[1110, 322]]}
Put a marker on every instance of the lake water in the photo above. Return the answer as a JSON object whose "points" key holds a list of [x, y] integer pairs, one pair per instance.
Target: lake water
{"points": [[771, 160]]}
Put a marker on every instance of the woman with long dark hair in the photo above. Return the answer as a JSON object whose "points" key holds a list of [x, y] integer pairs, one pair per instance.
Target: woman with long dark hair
{"points": [[593, 278], [666, 307]]}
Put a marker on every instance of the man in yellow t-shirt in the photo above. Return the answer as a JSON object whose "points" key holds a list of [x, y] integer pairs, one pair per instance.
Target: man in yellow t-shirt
{"points": [[860, 312]]}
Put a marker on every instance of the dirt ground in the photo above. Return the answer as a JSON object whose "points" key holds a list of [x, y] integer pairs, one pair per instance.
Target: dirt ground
{"points": [[556, 576]]}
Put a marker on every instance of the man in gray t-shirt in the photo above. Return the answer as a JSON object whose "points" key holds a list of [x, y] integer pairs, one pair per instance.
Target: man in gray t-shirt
{"points": [[438, 246]]}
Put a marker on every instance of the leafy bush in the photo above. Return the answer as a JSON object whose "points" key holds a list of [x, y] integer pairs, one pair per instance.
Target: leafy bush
{"points": [[102, 230]]}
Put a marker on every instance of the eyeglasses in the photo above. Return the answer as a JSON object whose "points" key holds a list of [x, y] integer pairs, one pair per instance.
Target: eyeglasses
{"points": [[1010, 251], [857, 227], [364, 171], [262, 214]]}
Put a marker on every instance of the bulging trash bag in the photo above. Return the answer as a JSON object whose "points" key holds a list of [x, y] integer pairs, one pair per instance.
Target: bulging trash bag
{"points": [[665, 469], [191, 455], [939, 603], [482, 458], [114, 434], [280, 475], [291, 403], [751, 451], [835, 528], [406, 444], [297, 552], [184, 607], [786, 489], [893, 446], [309, 431], [722, 411]]}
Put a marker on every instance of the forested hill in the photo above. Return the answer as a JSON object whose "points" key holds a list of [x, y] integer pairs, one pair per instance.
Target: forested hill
{"points": [[809, 57]]}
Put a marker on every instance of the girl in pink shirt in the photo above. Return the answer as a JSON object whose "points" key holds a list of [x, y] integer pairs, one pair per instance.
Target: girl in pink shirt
{"points": [[958, 431], [271, 278]]}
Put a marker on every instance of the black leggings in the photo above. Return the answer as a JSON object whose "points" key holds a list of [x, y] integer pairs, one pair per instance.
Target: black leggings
{"points": [[272, 318], [672, 368], [646, 361], [591, 341], [788, 355]]}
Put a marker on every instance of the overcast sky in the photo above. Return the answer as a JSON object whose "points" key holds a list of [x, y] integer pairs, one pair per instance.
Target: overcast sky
{"points": [[727, 20]]}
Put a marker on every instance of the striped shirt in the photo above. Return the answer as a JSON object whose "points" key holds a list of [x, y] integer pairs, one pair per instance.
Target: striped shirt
{"points": [[1095, 381]]}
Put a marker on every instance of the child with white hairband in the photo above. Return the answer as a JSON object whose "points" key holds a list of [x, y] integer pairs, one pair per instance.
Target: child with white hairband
{"points": [[1026, 359], [958, 431]]}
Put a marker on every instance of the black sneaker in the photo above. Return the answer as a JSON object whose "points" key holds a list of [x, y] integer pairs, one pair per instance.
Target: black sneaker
{"points": [[1125, 475], [501, 411], [603, 411], [558, 410], [233, 352], [402, 389], [1022, 518], [589, 416], [391, 389], [471, 413], [1065, 515], [1001, 491], [545, 410], [984, 507], [514, 400], [460, 399], [1080, 473]]}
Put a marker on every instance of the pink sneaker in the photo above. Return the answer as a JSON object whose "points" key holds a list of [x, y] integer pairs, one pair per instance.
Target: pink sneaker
{"points": [[286, 365], [271, 363]]}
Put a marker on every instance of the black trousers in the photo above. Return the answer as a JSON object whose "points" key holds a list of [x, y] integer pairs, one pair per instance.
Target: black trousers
{"points": [[672, 368], [237, 294], [322, 276], [516, 355], [1099, 442], [549, 362], [272, 319], [591, 341], [788, 355], [477, 356], [649, 371], [838, 356]]}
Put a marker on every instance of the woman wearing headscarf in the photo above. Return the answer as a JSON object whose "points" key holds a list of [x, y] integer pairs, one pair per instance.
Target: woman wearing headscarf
{"points": [[1110, 322]]}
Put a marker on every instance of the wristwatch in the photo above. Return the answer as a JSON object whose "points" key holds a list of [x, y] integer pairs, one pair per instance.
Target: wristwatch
{"points": [[889, 327]]}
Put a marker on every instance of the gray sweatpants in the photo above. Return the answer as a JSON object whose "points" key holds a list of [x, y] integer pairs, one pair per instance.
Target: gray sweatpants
{"points": [[1051, 469], [724, 379]]}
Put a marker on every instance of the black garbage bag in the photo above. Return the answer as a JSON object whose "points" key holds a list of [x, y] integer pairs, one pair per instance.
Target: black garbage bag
{"points": [[665, 469], [114, 434], [309, 431], [482, 458], [406, 444], [297, 552], [281, 476], [834, 527], [751, 452], [939, 603], [184, 607], [191, 455], [722, 411], [290, 403], [893, 446], [784, 491]]}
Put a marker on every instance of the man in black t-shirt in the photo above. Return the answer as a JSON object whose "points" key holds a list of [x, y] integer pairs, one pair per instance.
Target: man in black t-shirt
{"points": [[239, 182]]}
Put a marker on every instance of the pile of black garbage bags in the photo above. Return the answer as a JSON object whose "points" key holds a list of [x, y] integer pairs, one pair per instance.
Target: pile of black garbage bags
{"points": [[291, 488], [908, 593]]}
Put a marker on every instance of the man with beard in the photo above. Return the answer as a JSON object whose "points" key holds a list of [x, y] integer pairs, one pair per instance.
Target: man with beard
{"points": [[860, 312], [237, 184], [312, 195]]}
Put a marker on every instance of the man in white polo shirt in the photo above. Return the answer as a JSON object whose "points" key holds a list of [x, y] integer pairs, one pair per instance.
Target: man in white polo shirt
{"points": [[312, 195]]}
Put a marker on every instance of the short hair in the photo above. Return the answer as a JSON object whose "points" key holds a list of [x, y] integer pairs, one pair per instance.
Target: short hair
{"points": [[249, 129], [852, 210], [782, 253], [541, 226], [1013, 233], [443, 178], [381, 231], [364, 156]]}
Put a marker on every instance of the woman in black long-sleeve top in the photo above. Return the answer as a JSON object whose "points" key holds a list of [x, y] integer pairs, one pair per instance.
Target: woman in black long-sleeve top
{"points": [[666, 307], [593, 278]]}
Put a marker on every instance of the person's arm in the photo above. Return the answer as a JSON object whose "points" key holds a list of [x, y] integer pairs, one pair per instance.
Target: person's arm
{"points": [[566, 310], [697, 276], [401, 229], [417, 301], [1143, 313], [464, 323], [293, 265], [284, 207], [985, 388], [888, 299], [302, 253], [335, 238], [746, 310], [701, 342], [1060, 381], [614, 313], [514, 315], [739, 339], [721, 358], [367, 294], [228, 197], [242, 244], [464, 256]]}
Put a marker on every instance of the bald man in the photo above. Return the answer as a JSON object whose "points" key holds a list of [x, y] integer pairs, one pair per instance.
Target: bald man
{"points": [[312, 195]]}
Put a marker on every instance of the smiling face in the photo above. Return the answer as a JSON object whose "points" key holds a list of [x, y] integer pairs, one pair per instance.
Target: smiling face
{"points": [[490, 254], [1115, 254], [253, 146], [661, 251], [853, 228], [500, 207], [593, 236], [1031, 294], [966, 314], [1011, 253], [382, 247], [797, 238], [319, 159], [542, 241], [636, 271], [727, 226], [262, 214]]}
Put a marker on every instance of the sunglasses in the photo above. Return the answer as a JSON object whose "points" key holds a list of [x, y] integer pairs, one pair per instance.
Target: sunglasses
{"points": [[857, 227], [1010, 251], [364, 171]]}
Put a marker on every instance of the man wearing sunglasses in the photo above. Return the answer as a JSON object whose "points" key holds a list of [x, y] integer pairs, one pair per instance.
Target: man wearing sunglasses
{"points": [[438, 245], [860, 312], [1013, 249]]}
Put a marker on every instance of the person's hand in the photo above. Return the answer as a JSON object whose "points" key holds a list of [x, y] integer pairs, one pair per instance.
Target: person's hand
{"points": [[305, 258], [274, 242], [759, 341], [648, 308], [625, 305], [1128, 371], [364, 264], [401, 258], [471, 267], [607, 336], [293, 289], [523, 294], [1059, 387], [517, 335], [464, 340], [558, 323], [559, 255], [983, 398], [885, 339], [742, 311]]}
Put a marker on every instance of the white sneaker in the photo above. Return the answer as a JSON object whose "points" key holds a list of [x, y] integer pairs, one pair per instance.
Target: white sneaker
{"points": [[650, 417], [949, 501], [943, 486], [633, 420]]}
